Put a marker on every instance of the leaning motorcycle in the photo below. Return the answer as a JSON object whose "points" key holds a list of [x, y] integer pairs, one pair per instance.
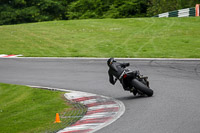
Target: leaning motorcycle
{"points": [[138, 84]]}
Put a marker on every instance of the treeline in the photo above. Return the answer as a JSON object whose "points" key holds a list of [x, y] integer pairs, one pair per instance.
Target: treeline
{"points": [[23, 11]]}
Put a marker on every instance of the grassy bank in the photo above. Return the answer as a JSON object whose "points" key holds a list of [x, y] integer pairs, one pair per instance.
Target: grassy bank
{"points": [[30, 110], [136, 37]]}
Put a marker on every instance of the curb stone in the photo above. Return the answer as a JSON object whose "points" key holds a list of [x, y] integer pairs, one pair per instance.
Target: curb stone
{"points": [[101, 110], [9, 56]]}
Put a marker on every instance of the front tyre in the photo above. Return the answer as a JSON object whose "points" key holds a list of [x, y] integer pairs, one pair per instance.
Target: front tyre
{"points": [[141, 87]]}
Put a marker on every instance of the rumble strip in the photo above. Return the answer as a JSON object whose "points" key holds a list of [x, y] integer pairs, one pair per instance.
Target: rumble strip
{"points": [[101, 111]]}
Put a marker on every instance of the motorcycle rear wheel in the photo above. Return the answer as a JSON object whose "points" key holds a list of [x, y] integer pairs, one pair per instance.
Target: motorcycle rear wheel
{"points": [[142, 87]]}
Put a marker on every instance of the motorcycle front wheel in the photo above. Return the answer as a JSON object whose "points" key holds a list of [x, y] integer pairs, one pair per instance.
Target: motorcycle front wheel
{"points": [[142, 88]]}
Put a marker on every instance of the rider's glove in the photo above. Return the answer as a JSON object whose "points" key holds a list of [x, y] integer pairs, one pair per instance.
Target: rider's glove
{"points": [[125, 65], [137, 73]]}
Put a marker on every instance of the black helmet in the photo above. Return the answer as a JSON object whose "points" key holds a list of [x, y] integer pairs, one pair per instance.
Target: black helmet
{"points": [[110, 61]]}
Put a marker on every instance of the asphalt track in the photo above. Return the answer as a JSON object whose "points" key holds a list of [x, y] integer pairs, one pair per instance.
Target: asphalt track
{"points": [[174, 108]]}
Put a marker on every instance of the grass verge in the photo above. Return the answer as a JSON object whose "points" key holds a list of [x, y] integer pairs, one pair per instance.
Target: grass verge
{"points": [[29, 110], [134, 37]]}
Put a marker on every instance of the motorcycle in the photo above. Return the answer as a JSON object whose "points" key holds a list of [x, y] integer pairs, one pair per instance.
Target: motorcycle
{"points": [[138, 84]]}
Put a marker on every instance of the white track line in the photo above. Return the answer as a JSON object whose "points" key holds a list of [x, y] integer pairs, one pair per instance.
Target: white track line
{"points": [[92, 58]]}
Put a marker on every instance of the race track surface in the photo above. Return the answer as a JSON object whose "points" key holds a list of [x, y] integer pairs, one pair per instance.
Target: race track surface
{"points": [[174, 108]]}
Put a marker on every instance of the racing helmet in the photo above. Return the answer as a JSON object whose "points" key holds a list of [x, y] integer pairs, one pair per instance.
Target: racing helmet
{"points": [[110, 61]]}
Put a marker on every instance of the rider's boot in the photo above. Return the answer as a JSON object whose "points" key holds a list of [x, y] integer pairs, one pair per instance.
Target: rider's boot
{"points": [[134, 91]]}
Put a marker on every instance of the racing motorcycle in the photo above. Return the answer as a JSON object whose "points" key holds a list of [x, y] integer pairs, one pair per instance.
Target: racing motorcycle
{"points": [[138, 84]]}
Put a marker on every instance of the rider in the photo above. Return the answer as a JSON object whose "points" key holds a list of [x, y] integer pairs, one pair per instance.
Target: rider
{"points": [[117, 70]]}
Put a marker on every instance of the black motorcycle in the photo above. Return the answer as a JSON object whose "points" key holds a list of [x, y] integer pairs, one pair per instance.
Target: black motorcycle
{"points": [[137, 84]]}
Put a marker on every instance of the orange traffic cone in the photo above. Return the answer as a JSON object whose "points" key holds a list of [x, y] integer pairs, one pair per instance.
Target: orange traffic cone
{"points": [[57, 118]]}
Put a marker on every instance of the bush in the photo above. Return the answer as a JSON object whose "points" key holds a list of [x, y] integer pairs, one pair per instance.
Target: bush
{"points": [[23, 11]]}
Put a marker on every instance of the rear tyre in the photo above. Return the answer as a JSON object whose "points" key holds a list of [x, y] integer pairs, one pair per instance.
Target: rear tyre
{"points": [[142, 88]]}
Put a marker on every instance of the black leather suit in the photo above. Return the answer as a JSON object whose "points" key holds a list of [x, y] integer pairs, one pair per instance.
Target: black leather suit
{"points": [[117, 70]]}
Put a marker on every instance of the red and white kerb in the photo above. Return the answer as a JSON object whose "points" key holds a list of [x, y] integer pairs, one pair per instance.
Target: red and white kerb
{"points": [[101, 112]]}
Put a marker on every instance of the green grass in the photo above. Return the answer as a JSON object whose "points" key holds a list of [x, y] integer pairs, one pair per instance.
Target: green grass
{"points": [[30, 110], [134, 37]]}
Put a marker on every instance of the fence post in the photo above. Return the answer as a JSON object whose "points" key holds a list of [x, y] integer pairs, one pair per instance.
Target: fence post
{"points": [[197, 9]]}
